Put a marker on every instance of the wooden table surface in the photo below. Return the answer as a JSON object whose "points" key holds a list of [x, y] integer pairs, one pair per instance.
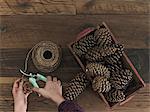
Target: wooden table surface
{"points": [[23, 23]]}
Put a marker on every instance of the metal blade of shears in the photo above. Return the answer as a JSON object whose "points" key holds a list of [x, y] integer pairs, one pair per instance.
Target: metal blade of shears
{"points": [[29, 75]]}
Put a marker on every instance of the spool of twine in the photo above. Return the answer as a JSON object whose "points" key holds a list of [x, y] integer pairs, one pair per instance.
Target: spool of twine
{"points": [[46, 56]]}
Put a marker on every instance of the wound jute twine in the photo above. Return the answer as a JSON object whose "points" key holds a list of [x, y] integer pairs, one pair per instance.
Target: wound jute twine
{"points": [[45, 55]]}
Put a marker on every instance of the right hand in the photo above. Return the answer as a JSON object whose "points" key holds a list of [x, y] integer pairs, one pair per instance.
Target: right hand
{"points": [[52, 90]]}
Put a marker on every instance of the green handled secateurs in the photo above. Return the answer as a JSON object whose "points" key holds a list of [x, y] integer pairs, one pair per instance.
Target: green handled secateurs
{"points": [[33, 78]]}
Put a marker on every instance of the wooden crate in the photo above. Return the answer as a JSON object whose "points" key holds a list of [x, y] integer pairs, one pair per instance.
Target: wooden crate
{"points": [[136, 82]]}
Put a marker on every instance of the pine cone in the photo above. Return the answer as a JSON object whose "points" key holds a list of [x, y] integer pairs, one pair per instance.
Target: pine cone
{"points": [[103, 37], [120, 64], [115, 67], [113, 58], [76, 86], [78, 49], [120, 79], [101, 84], [108, 52], [93, 54], [83, 45], [95, 69], [115, 95], [27, 86]]}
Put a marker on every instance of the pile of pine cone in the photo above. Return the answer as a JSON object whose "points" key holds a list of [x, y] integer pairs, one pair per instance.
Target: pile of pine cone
{"points": [[103, 64]]}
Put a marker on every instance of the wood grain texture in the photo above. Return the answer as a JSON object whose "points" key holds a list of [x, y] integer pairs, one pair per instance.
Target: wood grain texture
{"points": [[25, 31], [37, 7], [141, 102], [31, 21], [12, 60], [112, 6], [72, 7]]}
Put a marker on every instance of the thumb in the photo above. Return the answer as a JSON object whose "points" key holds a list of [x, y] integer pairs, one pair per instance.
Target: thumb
{"points": [[38, 90], [41, 91], [27, 94]]}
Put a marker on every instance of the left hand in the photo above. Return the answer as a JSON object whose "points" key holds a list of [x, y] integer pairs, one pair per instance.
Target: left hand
{"points": [[20, 98]]}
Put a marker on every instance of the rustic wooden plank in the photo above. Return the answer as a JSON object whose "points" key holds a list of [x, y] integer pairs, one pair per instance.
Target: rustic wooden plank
{"points": [[4, 8], [37, 7], [141, 102], [25, 31], [8, 80], [112, 7], [69, 7]]}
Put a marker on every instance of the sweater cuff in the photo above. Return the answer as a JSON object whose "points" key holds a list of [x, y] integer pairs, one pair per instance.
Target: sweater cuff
{"points": [[69, 106], [64, 105]]}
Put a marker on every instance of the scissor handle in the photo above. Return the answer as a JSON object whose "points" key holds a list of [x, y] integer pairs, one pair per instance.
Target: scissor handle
{"points": [[33, 82], [41, 77]]}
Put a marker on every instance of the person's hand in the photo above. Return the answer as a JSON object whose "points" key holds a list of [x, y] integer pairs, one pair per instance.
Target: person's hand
{"points": [[20, 99], [52, 90]]}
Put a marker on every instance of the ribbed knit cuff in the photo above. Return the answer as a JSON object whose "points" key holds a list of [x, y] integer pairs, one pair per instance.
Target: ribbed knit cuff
{"points": [[69, 106]]}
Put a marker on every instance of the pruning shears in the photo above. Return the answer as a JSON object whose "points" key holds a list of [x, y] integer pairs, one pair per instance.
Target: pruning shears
{"points": [[33, 78]]}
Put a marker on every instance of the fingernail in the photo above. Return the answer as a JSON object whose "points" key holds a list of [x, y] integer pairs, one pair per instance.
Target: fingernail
{"points": [[39, 95]]}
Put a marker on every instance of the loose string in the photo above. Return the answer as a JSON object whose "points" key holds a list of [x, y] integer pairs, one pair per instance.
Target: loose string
{"points": [[26, 62], [27, 58]]}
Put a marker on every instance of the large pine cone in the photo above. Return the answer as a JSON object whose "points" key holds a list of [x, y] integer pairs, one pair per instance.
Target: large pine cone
{"points": [[76, 86], [98, 54], [27, 86], [114, 67], [114, 58], [115, 95], [94, 54], [101, 84], [103, 37], [120, 79], [83, 45], [109, 50], [95, 69]]}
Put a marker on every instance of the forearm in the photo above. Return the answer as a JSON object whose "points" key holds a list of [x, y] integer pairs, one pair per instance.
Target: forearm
{"points": [[19, 111], [18, 108], [69, 106]]}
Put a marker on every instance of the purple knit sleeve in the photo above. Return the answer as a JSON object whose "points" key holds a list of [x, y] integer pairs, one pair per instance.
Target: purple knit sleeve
{"points": [[69, 106]]}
